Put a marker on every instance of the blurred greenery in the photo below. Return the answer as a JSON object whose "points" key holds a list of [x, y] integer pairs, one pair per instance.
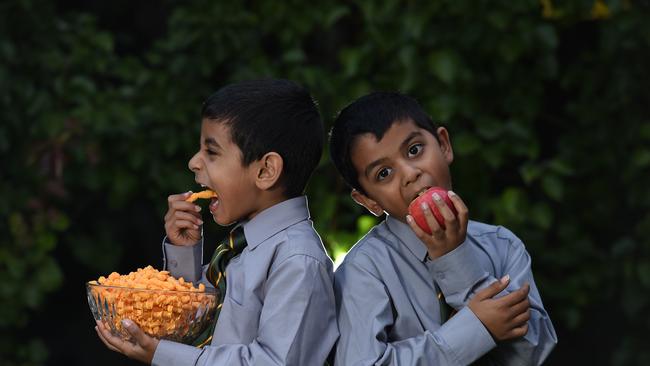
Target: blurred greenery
{"points": [[546, 101]]}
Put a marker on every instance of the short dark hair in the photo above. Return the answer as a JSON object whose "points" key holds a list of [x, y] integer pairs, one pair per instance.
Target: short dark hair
{"points": [[272, 115], [374, 113]]}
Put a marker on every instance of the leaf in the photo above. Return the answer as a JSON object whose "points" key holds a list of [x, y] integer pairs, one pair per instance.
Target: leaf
{"points": [[444, 63], [553, 187]]}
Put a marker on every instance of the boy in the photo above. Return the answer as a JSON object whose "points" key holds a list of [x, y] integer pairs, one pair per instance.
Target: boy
{"points": [[395, 285], [260, 142]]}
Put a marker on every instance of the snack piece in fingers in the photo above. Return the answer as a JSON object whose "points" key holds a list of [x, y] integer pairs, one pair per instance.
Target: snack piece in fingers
{"points": [[203, 194]]}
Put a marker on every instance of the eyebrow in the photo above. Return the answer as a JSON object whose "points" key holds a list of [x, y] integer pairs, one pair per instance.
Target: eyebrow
{"points": [[210, 141], [402, 146]]}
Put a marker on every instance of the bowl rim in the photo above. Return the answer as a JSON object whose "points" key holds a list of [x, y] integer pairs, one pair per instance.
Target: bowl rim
{"points": [[208, 290]]}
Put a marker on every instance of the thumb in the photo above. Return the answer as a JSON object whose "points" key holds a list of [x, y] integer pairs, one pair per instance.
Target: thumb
{"points": [[494, 288], [138, 335]]}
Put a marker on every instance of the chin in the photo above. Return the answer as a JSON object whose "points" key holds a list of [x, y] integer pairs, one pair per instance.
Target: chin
{"points": [[221, 222]]}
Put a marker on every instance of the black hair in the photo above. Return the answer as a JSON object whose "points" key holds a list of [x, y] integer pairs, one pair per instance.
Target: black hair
{"points": [[374, 113], [272, 115]]}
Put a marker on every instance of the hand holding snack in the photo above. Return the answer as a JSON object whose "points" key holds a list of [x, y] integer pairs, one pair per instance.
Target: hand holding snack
{"points": [[439, 219], [183, 218]]}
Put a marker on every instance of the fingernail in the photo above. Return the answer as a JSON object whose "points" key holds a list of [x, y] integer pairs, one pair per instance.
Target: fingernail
{"points": [[126, 323], [424, 206], [436, 197], [451, 193], [409, 218], [505, 278], [197, 208], [196, 226], [200, 222], [188, 193]]}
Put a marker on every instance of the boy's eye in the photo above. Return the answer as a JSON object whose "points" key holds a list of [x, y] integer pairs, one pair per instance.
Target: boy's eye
{"points": [[383, 173], [210, 152], [415, 150]]}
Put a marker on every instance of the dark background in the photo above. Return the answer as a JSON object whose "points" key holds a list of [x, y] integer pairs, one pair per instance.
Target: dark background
{"points": [[546, 102]]}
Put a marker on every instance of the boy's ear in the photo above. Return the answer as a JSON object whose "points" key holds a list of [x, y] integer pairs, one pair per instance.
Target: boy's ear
{"points": [[367, 202], [269, 170], [445, 144]]}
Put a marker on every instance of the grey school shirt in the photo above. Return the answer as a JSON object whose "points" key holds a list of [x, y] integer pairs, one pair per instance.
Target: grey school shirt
{"points": [[279, 307], [388, 312]]}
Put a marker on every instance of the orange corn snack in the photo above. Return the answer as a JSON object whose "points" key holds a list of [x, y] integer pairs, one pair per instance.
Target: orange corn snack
{"points": [[158, 313], [203, 194]]}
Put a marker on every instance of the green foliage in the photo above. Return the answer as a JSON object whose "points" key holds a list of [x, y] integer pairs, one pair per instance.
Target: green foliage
{"points": [[546, 104]]}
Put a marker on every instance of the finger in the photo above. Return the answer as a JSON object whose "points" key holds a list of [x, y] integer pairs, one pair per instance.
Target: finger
{"points": [[184, 206], [136, 333], [178, 197], [103, 339], [416, 229], [520, 319], [462, 212], [515, 296], [518, 332], [494, 288], [184, 224], [436, 229], [180, 216], [519, 308], [444, 210], [111, 341]]}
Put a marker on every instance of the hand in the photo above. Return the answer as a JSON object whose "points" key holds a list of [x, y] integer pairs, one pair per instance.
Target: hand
{"points": [[505, 317], [183, 220], [142, 350], [442, 241]]}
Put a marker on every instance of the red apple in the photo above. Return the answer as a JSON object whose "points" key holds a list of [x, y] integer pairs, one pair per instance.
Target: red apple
{"points": [[415, 208]]}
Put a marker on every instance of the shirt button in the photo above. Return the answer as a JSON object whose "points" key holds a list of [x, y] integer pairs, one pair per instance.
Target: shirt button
{"points": [[173, 263], [441, 275]]}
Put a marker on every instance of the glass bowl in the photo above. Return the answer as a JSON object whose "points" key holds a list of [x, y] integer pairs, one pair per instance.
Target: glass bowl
{"points": [[175, 315]]}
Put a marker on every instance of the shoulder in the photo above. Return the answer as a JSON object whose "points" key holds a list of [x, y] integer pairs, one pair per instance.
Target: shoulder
{"points": [[367, 253], [300, 241], [490, 238]]}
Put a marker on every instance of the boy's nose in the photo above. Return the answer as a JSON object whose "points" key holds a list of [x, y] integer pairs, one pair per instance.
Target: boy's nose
{"points": [[194, 163], [411, 174]]}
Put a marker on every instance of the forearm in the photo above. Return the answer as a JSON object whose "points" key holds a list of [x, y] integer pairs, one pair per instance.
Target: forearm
{"points": [[183, 261], [459, 341], [176, 354], [540, 339]]}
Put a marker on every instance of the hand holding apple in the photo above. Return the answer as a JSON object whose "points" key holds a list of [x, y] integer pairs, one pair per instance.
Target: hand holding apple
{"points": [[442, 226], [415, 208]]}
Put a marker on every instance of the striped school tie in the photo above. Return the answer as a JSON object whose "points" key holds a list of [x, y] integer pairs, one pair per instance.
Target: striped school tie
{"points": [[216, 274], [446, 311]]}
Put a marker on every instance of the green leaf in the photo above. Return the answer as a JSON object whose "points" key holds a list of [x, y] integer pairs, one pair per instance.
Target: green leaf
{"points": [[552, 186], [444, 64], [465, 144]]}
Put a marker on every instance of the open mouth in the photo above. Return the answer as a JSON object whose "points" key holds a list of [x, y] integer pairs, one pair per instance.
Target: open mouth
{"points": [[214, 201], [209, 193], [420, 192]]}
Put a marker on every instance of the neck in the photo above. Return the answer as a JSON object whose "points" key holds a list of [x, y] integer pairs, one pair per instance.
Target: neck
{"points": [[267, 199]]}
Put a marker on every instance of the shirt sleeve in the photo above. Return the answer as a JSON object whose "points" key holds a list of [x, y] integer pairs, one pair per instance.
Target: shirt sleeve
{"points": [[183, 261], [297, 323], [460, 276], [366, 315]]}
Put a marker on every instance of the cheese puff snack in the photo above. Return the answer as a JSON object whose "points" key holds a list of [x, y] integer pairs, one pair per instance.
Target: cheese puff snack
{"points": [[161, 305], [206, 194]]}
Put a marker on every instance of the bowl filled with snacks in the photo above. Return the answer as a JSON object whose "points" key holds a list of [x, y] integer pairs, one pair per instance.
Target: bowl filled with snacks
{"points": [[162, 306]]}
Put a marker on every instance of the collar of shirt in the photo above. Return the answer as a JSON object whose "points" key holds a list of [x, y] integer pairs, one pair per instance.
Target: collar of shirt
{"points": [[406, 235], [275, 219]]}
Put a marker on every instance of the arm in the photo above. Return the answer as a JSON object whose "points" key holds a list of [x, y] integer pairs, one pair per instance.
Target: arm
{"points": [[366, 315], [460, 276], [297, 323]]}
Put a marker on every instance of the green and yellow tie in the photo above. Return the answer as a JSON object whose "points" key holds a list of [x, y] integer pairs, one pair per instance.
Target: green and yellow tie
{"points": [[446, 311], [216, 274]]}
